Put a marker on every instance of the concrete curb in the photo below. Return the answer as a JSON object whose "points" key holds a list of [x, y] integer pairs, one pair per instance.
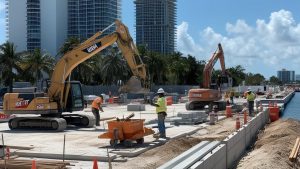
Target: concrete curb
{"points": [[83, 157]]}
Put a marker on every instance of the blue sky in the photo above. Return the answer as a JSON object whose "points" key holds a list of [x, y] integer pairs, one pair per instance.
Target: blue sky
{"points": [[261, 35]]}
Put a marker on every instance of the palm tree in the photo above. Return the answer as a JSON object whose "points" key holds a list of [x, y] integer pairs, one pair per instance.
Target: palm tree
{"points": [[69, 44], [114, 67], [156, 67], [86, 70], [10, 63], [238, 74], [178, 68], [37, 63]]}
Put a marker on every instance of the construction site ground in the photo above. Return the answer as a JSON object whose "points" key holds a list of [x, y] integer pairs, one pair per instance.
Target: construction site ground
{"points": [[82, 145], [273, 147]]}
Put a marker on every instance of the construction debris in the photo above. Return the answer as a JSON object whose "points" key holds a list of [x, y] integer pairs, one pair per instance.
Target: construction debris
{"points": [[295, 150]]}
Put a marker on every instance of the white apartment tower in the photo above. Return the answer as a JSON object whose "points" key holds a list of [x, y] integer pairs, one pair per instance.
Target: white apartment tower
{"points": [[37, 24]]}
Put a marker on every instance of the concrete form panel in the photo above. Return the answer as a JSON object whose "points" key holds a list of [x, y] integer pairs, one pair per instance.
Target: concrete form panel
{"points": [[193, 158], [214, 160], [174, 162]]}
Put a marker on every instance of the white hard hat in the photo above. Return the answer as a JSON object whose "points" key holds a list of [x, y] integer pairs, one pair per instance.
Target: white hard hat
{"points": [[249, 89], [160, 90]]}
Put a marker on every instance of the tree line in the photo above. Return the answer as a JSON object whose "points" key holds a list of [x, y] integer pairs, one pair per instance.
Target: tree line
{"points": [[109, 67]]}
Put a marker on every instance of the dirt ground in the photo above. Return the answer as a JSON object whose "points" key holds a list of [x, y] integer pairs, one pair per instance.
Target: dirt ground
{"points": [[273, 147], [160, 155]]}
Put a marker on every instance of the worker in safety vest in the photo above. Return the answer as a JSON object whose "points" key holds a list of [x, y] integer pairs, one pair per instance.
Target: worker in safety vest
{"points": [[250, 96], [96, 106], [161, 110]]}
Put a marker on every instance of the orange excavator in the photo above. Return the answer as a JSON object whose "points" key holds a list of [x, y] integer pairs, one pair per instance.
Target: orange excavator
{"points": [[198, 98]]}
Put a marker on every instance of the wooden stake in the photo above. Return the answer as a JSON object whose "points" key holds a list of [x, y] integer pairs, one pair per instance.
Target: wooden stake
{"points": [[64, 147], [3, 151]]}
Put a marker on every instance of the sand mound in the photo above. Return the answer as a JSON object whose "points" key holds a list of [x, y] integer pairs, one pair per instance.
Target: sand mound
{"points": [[273, 147]]}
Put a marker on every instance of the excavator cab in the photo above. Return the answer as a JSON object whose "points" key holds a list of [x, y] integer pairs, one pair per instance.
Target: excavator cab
{"points": [[75, 101]]}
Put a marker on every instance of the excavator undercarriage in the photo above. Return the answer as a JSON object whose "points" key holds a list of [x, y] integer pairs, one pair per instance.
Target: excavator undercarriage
{"points": [[52, 123]]}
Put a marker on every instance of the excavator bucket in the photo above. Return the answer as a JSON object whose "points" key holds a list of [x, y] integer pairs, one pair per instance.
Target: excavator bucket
{"points": [[133, 85]]}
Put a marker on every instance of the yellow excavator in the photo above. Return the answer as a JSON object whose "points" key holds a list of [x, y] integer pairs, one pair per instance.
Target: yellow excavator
{"points": [[61, 103]]}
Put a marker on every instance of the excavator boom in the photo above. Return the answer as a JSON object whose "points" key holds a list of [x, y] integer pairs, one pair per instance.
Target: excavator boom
{"points": [[210, 65], [88, 49], [200, 97]]}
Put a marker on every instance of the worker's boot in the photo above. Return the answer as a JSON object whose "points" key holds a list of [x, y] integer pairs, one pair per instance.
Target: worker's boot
{"points": [[162, 135], [156, 135]]}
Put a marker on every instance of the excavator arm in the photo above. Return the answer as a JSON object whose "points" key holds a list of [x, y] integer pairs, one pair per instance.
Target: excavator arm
{"points": [[89, 48], [207, 72]]}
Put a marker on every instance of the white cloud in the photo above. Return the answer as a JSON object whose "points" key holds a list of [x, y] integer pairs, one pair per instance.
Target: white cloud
{"points": [[185, 42], [268, 42]]}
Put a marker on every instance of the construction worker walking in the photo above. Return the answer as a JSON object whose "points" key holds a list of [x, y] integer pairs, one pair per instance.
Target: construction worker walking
{"points": [[96, 106], [161, 110], [250, 99]]}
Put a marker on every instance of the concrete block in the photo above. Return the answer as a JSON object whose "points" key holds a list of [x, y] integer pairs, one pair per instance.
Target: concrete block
{"points": [[247, 134], [135, 107], [237, 147], [192, 114]]}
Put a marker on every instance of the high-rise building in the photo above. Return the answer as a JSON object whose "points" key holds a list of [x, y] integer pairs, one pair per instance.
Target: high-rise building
{"points": [[36, 24], [286, 76], [86, 17], [46, 24], [297, 77], [155, 24]]}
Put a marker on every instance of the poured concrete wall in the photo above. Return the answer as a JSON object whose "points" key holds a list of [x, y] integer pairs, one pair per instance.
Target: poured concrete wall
{"points": [[234, 146]]}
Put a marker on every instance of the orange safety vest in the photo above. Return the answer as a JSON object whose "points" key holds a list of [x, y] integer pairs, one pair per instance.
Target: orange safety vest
{"points": [[96, 103]]}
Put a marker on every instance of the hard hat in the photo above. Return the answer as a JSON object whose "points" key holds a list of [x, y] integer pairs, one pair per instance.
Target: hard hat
{"points": [[160, 90], [249, 89]]}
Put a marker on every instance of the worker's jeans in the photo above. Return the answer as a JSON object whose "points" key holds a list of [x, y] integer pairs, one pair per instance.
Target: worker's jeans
{"points": [[97, 116], [161, 123], [251, 108]]}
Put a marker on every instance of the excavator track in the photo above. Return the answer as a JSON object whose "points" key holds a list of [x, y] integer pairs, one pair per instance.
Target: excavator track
{"points": [[44, 123], [80, 120]]}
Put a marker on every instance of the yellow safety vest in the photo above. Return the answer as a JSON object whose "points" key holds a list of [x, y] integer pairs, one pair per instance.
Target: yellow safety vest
{"points": [[162, 106], [251, 96]]}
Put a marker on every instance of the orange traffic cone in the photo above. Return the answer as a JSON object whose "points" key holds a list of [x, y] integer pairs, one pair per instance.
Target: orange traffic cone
{"points": [[237, 123], [245, 117], [33, 165], [7, 152], [228, 111], [95, 165]]}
